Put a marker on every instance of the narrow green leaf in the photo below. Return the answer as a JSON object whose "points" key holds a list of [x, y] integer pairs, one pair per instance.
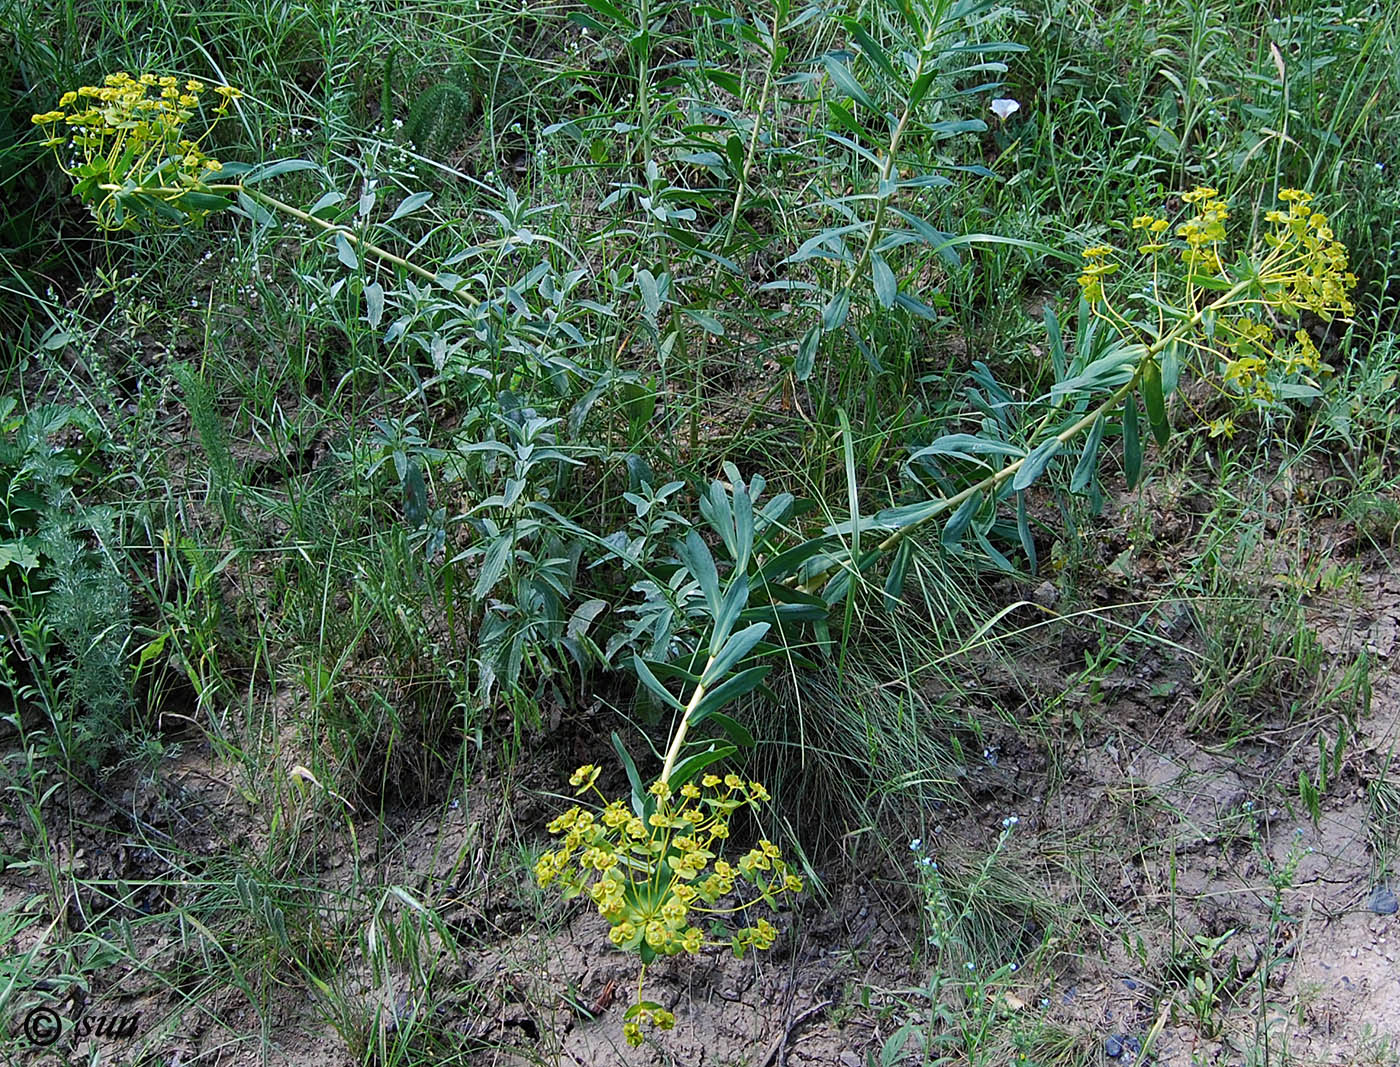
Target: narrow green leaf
{"points": [[275, 169], [836, 310], [726, 692], [695, 554], [957, 525], [1132, 444], [845, 82], [688, 768], [1155, 403], [807, 353], [736, 731], [639, 795], [1171, 368], [871, 48], [899, 568], [735, 649], [654, 684], [882, 278], [1023, 529], [1035, 464], [1057, 343], [736, 598], [1088, 459], [344, 252]]}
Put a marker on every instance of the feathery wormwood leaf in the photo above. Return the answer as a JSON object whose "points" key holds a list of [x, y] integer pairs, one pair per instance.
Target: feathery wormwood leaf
{"points": [[199, 402], [437, 122]]}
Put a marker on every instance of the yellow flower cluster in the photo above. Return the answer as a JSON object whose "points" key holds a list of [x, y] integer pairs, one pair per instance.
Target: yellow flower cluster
{"points": [[1096, 268], [128, 135], [1204, 232], [1302, 267], [651, 876], [1307, 264]]}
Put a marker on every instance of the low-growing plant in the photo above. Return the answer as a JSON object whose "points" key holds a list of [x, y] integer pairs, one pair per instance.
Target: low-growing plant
{"points": [[707, 629]]}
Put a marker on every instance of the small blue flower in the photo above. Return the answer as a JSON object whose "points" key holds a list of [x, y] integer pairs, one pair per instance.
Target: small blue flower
{"points": [[971, 966], [916, 844]]}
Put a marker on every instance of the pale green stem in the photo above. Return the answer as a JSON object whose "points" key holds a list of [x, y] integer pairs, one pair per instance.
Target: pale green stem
{"points": [[679, 739]]}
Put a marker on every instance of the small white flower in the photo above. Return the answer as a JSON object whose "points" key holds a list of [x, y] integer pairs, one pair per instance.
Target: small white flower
{"points": [[1004, 107]]}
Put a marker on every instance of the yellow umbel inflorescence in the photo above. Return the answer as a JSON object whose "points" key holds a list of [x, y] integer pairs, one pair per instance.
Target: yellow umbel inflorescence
{"points": [[1302, 267], [652, 878], [127, 139]]}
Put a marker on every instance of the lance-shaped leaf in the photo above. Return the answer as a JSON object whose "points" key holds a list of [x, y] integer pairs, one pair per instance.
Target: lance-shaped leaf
{"points": [[736, 598], [845, 81], [967, 446], [689, 767], [728, 691], [697, 559], [962, 518], [1088, 459], [653, 683], [1132, 443], [1035, 464], [735, 649], [1155, 402]]}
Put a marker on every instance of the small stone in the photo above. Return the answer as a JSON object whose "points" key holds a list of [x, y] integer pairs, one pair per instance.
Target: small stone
{"points": [[1113, 1047], [1383, 901]]}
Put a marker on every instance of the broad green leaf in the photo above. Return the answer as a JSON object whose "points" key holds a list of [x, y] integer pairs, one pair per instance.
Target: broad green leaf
{"points": [[493, 565], [374, 304], [651, 292], [18, 553], [204, 201]]}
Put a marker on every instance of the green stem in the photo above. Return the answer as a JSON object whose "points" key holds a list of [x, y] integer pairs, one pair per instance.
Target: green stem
{"points": [[881, 197], [330, 227], [773, 62], [679, 738], [1067, 434]]}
